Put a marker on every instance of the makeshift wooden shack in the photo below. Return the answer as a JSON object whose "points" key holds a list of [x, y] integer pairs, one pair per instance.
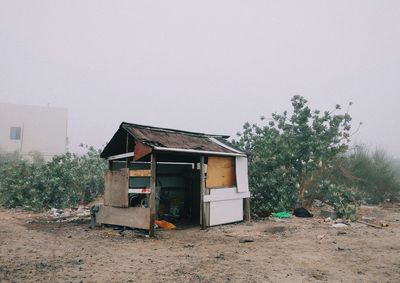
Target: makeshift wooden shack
{"points": [[186, 177]]}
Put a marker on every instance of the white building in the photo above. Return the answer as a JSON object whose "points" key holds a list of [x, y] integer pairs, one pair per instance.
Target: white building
{"points": [[27, 129]]}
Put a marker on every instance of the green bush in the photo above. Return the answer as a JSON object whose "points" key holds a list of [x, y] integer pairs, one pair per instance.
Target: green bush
{"points": [[339, 196], [396, 168], [375, 176], [63, 182], [289, 154]]}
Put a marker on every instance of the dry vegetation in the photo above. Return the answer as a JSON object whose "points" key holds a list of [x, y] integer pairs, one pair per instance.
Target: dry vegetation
{"points": [[298, 250]]}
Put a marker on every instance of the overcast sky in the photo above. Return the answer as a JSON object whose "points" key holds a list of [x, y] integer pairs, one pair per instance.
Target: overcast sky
{"points": [[205, 66]]}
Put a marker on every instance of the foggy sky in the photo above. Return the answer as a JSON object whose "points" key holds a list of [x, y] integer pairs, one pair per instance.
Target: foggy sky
{"points": [[204, 66]]}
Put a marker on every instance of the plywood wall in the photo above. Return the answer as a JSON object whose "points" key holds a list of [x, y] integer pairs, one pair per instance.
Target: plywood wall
{"points": [[134, 217], [221, 172], [116, 188]]}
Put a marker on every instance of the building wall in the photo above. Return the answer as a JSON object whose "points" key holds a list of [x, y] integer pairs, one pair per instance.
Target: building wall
{"points": [[43, 129]]}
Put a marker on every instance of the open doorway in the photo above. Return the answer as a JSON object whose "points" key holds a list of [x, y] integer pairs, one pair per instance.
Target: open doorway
{"points": [[178, 191]]}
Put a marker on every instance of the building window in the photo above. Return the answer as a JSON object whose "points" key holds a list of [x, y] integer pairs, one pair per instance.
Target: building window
{"points": [[15, 133]]}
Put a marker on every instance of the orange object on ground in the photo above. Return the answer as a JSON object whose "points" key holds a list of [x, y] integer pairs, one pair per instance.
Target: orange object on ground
{"points": [[165, 224]]}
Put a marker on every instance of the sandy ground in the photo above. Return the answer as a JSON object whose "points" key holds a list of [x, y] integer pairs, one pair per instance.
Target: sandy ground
{"points": [[297, 250]]}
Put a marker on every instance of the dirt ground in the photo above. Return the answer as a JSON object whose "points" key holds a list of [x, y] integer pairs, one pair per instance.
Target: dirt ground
{"points": [[297, 250]]}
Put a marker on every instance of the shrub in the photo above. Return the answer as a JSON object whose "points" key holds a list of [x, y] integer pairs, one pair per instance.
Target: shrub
{"points": [[64, 181], [340, 197], [289, 154], [376, 178]]}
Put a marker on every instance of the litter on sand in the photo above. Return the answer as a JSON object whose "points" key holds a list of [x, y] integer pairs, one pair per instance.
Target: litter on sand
{"points": [[302, 212], [282, 214], [339, 225], [165, 224]]}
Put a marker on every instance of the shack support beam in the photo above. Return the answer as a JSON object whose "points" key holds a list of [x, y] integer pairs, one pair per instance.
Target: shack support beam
{"points": [[203, 216], [246, 209], [152, 200]]}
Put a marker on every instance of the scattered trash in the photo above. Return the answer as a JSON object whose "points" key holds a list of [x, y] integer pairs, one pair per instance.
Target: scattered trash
{"points": [[56, 212], [302, 212], [165, 224], [282, 214], [328, 213], [69, 214], [246, 240], [320, 237], [370, 224], [325, 210], [339, 225]]}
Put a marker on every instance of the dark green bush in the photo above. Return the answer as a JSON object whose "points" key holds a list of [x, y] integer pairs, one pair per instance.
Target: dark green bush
{"points": [[289, 155], [339, 196], [64, 181]]}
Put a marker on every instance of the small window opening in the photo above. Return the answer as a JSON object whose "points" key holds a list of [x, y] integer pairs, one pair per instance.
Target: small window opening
{"points": [[15, 133]]}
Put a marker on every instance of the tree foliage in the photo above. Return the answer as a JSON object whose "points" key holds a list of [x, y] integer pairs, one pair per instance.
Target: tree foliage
{"points": [[64, 181], [374, 175], [289, 153]]}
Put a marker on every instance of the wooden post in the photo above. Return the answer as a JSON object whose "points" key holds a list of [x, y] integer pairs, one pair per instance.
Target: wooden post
{"points": [[202, 192], [152, 200], [127, 146], [246, 209]]}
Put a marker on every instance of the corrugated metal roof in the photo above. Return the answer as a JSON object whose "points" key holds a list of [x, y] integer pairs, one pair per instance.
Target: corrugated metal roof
{"points": [[163, 139], [168, 138]]}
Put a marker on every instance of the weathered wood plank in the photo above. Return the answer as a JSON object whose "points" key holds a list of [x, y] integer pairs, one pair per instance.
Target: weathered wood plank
{"points": [[107, 187], [242, 178], [225, 194], [202, 192], [116, 188], [226, 211], [246, 209], [221, 172], [133, 217], [140, 173], [152, 200]]}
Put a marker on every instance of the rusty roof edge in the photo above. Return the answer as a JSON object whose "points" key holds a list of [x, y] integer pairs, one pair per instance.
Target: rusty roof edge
{"points": [[214, 140], [159, 129], [205, 152], [146, 142]]}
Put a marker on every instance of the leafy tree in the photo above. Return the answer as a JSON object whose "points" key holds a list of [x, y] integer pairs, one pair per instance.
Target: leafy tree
{"points": [[289, 153]]}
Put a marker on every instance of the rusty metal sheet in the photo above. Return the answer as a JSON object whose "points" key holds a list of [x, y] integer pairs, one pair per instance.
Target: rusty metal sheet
{"points": [[171, 139], [141, 150], [166, 138]]}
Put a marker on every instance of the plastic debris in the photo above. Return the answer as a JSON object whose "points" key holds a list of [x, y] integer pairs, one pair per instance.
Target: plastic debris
{"points": [[339, 225], [165, 224], [282, 214], [302, 212]]}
